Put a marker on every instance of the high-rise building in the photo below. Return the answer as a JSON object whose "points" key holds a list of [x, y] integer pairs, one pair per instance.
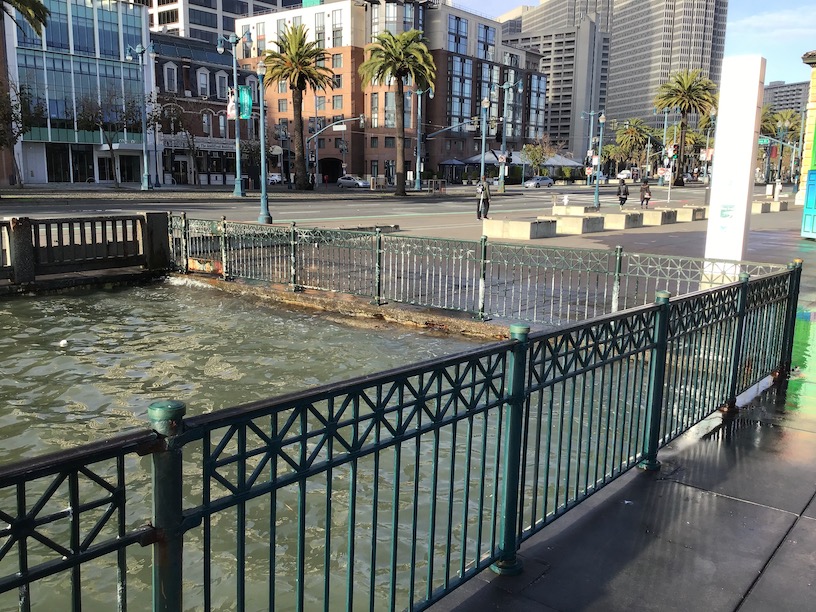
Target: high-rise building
{"points": [[650, 40], [787, 96], [204, 19]]}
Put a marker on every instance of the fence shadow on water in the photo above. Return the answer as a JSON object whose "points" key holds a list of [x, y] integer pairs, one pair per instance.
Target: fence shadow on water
{"points": [[389, 491]]}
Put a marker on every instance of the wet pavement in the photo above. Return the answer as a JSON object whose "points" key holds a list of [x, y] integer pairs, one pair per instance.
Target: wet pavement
{"points": [[729, 521]]}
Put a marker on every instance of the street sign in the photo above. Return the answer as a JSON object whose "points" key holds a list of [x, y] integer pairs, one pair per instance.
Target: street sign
{"points": [[502, 159], [763, 142], [595, 160], [340, 127], [589, 171]]}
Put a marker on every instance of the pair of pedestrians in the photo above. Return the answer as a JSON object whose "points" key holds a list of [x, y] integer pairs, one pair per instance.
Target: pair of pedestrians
{"points": [[645, 193]]}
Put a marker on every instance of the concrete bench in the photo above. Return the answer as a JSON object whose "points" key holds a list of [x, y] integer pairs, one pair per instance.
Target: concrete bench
{"points": [[623, 220], [574, 226], [691, 213], [780, 206], [519, 229], [659, 216], [571, 210], [759, 207]]}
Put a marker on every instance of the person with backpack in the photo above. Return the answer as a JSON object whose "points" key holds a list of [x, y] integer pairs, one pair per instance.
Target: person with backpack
{"points": [[482, 199], [623, 193], [645, 194]]}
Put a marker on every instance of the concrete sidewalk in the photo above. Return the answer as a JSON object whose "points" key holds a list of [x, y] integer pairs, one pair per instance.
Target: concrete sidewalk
{"points": [[728, 523]]}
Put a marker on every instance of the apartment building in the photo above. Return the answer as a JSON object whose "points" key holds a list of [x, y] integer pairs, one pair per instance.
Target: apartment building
{"points": [[204, 19], [80, 61], [651, 39], [787, 96], [472, 63]]}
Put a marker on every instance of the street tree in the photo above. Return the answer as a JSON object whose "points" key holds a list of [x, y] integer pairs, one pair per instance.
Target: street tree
{"points": [[111, 114], [396, 58], [20, 110], [540, 151], [689, 92], [301, 64], [632, 138], [33, 12]]}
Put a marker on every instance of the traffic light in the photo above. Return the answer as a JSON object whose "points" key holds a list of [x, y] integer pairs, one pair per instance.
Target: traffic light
{"points": [[510, 157], [675, 151]]}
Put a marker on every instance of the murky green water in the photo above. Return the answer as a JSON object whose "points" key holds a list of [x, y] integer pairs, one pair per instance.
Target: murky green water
{"points": [[79, 367]]}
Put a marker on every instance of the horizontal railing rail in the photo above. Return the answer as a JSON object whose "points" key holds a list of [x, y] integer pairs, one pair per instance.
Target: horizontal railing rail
{"points": [[538, 284], [390, 490]]}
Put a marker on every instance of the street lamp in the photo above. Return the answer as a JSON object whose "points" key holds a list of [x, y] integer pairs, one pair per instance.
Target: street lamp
{"points": [[418, 177], [712, 117], [601, 121], [503, 166], [782, 129], [233, 41], [140, 50], [591, 115], [264, 216], [485, 106]]}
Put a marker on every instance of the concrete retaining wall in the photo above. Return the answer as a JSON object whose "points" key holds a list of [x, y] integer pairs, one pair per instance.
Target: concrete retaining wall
{"points": [[624, 220], [519, 229], [573, 226], [758, 207], [691, 213], [659, 216], [572, 210]]}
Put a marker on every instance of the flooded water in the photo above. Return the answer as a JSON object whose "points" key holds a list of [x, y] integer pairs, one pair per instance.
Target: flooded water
{"points": [[82, 366]]}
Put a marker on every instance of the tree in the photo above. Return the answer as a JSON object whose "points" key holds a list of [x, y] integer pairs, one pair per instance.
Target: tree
{"points": [[540, 151], [398, 57], [110, 113], [32, 11], [20, 111], [301, 64], [632, 138], [689, 92], [182, 118]]}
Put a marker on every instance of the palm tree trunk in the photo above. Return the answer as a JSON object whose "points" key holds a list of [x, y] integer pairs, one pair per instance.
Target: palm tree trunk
{"points": [[678, 180], [400, 110], [301, 178]]}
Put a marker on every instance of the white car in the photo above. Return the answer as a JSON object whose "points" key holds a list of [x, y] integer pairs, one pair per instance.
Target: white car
{"points": [[352, 181], [539, 181], [625, 174], [275, 178]]}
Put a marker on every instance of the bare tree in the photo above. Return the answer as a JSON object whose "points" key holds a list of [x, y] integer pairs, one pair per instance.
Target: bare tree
{"points": [[182, 118], [20, 111], [111, 113], [540, 151]]}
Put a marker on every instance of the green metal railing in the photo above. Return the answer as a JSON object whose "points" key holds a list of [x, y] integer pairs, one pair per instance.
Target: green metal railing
{"points": [[5, 253], [538, 284], [387, 491]]}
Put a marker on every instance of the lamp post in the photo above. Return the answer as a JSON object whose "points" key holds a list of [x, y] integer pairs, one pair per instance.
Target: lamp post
{"points": [[601, 121], [503, 167], [712, 116], [418, 177], [263, 216], [782, 129], [140, 50], [591, 115], [233, 41], [660, 179], [485, 106]]}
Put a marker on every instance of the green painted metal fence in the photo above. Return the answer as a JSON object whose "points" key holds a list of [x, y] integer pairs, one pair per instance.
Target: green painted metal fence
{"points": [[538, 284], [388, 491]]}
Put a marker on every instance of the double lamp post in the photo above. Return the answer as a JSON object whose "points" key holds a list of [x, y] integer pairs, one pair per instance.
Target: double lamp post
{"points": [[233, 41], [140, 50]]}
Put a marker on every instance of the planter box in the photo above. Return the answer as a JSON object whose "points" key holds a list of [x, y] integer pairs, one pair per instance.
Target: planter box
{"points": [[760, 207], [519, 229], [659, 216], [574, 226], [623, 220], [780, 206], [691, 213]]}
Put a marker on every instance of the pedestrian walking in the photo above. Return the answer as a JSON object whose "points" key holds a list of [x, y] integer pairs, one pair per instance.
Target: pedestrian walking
{"points": [[482, 199], [645, 194], [623, 193]]}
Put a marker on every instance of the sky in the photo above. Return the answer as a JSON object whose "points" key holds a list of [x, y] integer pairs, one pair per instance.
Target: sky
{"points": [[755, 27]]}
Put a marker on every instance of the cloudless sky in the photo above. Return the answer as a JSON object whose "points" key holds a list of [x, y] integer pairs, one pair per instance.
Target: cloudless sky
{"points": [[782, 33]]}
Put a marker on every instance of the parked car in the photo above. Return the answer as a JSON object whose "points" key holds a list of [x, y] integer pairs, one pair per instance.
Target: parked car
{"points": [[275, 178], [625, 174], [352, 181], [538, 181]]}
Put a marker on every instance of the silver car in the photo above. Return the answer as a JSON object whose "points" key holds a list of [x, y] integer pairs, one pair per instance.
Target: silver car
{"points": [[538, 181], [352, 181]]}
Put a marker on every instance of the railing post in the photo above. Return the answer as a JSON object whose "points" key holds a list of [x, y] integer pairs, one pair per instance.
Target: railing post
{"points": [[224, 272], [185, 243], [21, 251], [657, 372], [293, 257], [378, 253], [509, 563], [166, 418], [616, 284], [736, 355], [482, 277], [783, 371], [156, 246]]}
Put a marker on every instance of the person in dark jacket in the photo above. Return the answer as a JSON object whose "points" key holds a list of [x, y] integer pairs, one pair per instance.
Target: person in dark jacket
{"points": [[645, 194], [623, 193], [482, 199]]}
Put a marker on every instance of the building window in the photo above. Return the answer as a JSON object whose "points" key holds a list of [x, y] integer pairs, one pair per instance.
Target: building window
{"points": [[166, 17], [374, 111], [337, 60], [206, 123], [390, 142], [337, 28], [320, 103], [221, 85], [375, 142], [282, 105], [282, 86], [390, 110], [222, 126], [203, 83], [337, 102], [457, 34], [337, 79], [486, 46], [170, 78], [375, 164]]}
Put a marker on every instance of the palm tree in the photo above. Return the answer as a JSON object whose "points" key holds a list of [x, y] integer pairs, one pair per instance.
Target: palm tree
{"points": [[398, 57], [689, 92], [632, 137], [302, 64], [33, 11]]}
